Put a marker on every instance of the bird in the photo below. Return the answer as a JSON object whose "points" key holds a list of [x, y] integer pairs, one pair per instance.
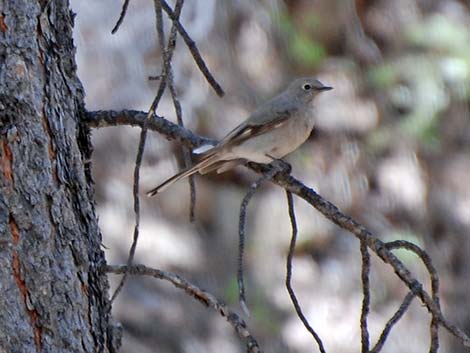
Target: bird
{"points": [[275, 129]]}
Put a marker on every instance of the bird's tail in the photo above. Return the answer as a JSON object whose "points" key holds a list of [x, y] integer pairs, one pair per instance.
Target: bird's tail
{"points": [[205, 162]]}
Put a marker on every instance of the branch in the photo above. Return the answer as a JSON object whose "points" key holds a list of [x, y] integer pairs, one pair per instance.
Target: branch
{"points": [[109, 118], [200, 295], [289, 183]]}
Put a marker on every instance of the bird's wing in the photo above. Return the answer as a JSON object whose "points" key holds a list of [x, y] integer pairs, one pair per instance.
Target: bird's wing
{"points": [[265, 119]]}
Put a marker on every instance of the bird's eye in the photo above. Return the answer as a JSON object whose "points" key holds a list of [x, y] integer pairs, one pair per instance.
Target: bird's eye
{"points": [[307, 87]]}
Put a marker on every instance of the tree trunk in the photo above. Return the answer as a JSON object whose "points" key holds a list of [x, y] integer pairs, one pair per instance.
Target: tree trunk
{"points": [[53, 297]]}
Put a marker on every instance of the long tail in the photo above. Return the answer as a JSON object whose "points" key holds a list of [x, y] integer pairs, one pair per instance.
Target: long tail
{"points": [[210, 159]]}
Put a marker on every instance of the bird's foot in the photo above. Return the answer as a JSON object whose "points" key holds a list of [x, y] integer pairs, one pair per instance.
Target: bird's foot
{"points": [[281, 166]]}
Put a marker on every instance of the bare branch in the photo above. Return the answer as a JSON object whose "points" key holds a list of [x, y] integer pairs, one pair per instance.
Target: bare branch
{"points": [[166, 128], [290, 255], [200, 295]]}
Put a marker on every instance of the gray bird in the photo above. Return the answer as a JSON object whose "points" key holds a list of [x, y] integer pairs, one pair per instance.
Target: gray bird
{"points": [[275, 129]]}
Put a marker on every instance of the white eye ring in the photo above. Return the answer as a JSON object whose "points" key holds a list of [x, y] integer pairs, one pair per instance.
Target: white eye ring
{"points": [[307, 87]]}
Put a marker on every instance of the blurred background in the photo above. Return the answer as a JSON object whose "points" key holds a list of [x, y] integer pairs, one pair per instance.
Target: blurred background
{"points": [[391, 149]]}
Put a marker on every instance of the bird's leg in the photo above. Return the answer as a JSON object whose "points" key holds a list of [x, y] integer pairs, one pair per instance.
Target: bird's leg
{"points": [[281, 166]]}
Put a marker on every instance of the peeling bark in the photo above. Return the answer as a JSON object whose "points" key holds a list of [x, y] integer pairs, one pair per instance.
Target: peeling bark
{"points": [[53, 298]]}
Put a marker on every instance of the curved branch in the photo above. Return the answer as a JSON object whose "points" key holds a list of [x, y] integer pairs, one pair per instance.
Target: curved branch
{"points": [[290, 289], [200, 295], [241, 236], [403, 244]]}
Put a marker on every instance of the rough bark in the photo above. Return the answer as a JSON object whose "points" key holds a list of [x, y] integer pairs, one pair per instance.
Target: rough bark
{"points": [[53, 298]]}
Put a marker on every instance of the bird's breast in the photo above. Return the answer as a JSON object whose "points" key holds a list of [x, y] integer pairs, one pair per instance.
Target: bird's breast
{"points": [[295, 132]]}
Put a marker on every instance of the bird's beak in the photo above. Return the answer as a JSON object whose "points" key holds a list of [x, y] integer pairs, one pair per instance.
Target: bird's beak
{"points": [[325, 88]]}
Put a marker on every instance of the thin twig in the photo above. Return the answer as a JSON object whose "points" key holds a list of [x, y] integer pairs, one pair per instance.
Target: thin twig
{"points": [[200, 295], [179, 116], [241, 242], [193, 50], [242, 232], [290, 255], [135, 192], [393, 320], [185, 150], [330, 211], [366, 296], [434, 326], [121, 16]]}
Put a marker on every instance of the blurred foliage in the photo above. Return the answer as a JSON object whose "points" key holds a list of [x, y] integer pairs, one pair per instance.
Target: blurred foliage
{"points": [[384, 76], [231, 291], [301, 46], [439, 33], [259, 307], [421, 84]]}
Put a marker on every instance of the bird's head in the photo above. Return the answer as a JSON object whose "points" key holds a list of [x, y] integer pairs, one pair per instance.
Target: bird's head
{"points": [[307, 88]]}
